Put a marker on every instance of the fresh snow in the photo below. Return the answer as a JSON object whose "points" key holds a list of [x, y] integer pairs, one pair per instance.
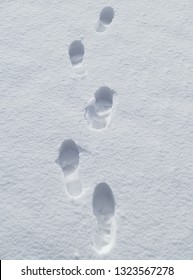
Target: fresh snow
{"points": [[96, 129]]}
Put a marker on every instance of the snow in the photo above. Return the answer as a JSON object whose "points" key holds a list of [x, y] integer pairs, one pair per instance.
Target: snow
{"points": [[142, 152]]}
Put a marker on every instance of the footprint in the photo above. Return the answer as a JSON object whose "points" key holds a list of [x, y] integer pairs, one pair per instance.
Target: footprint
{"points": [[104, 210], [98, 112], [106, 16], [76, 53], [68, 160]]}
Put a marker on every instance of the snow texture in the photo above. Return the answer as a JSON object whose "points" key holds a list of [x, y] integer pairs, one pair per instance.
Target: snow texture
{"points": [[96, 129]]}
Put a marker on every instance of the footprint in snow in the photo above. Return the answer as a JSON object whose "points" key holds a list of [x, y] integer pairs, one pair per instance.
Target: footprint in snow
{"points": [[104, 211], [76, 54], [98, 112], [106, 16], [68, 160]]}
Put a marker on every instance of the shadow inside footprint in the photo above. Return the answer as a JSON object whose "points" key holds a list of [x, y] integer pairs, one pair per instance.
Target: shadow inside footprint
{"points": [[98, 112], [68, 160], [106, 16], [104, 210], [68, 157], [103, 99], [76, 53]]}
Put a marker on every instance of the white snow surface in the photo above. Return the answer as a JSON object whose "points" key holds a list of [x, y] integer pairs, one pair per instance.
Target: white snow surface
{"points": [[144, 153]]}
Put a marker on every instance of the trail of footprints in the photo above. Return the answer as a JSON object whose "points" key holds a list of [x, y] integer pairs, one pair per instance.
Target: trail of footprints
{"points": [[98, 116]]}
